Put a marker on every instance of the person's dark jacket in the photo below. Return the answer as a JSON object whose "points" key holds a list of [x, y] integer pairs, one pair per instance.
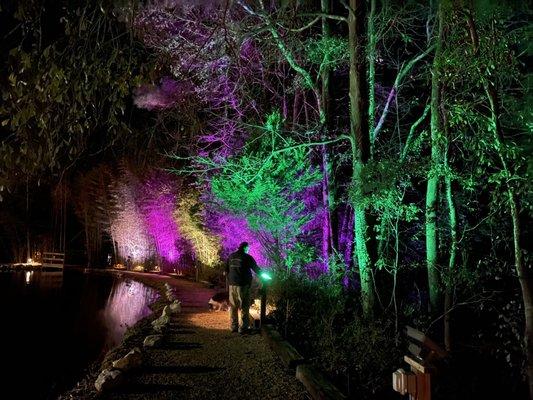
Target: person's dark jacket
{"points": [[239, 268]]}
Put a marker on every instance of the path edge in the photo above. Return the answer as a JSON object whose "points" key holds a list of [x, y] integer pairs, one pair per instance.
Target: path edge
{"points": [[318, 386]]}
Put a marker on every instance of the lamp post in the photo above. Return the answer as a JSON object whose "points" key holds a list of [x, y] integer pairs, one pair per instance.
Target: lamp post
{"points": [[264, 277]]}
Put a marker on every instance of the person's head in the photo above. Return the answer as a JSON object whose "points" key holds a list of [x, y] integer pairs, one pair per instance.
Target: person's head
{"points": [[243, 247]]}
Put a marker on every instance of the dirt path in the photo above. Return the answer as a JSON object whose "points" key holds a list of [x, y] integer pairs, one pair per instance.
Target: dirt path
{"points": [[202, 359]]}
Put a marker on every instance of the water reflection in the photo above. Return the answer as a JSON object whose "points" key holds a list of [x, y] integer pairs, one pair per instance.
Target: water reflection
{"points": [[127, 302], [56, 323], [28, 277]]}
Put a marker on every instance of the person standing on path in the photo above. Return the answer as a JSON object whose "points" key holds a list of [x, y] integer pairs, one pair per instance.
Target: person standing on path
{"points": [[239, 273]]}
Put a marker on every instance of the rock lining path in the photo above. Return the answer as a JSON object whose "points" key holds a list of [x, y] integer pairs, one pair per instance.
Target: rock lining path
{"points": [[202, 359]]}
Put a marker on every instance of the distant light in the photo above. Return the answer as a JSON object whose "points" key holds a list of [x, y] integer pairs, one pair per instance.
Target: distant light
{"points": [[30, 260]]}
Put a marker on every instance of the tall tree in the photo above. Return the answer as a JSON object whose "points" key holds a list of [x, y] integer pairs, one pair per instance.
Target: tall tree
{"points": [[360, 142], [327, 190], [432, 189]]}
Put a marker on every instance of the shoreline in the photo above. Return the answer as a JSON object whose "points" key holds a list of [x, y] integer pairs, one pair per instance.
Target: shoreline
{"points": [[134, 336]]}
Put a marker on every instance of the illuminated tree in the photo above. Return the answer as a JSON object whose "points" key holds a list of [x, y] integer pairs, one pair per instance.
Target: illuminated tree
{"points": [[232, 230], [189, 217], [265, 185], [158, 200], [128, 226]]}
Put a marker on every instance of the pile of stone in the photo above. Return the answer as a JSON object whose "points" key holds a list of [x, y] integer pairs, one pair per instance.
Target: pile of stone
{"points": [[112, 377]]}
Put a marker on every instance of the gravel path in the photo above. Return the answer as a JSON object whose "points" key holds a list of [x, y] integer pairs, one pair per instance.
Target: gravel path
{"points": [[202, 359]]}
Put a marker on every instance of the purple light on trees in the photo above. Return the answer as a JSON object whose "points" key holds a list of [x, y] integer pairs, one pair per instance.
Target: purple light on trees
{"points": [[144, 227], [163, 229], [168, 94], [159, 203], [313, 229], [232, 231]]}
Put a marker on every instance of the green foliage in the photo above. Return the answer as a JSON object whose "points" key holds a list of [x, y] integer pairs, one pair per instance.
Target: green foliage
{"points": [[68, 95], [263, 184], [255, 185], [327, 52], [384, 183], [299, 254]]}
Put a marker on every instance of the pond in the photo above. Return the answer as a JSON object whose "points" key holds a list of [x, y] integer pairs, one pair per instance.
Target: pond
{"points": [[54, 325]]}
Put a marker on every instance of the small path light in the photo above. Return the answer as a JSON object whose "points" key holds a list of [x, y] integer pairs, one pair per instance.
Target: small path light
{"points": [[264, 277]]}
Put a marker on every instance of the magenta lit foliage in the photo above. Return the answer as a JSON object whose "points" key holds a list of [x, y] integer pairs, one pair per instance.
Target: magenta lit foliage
{"points": [[159, 97], [144, 227], [158, 207], [187, 33], [233, 230]]}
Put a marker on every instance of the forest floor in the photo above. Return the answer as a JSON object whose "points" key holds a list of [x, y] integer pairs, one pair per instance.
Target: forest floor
{"points": [[199, 359]]}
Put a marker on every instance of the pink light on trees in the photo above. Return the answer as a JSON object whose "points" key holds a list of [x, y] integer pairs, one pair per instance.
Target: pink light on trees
{"points": [[164, 230], [166, 95], [158, 207], [232, 231]]}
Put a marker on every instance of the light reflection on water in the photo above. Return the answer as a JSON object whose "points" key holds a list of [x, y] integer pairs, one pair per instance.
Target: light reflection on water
{"points": [[56, 324], [28, 275], [126, 304]]}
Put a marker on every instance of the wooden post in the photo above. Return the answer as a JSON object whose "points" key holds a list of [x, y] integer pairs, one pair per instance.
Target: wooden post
{"points": [[421, 390], [263, 303]]}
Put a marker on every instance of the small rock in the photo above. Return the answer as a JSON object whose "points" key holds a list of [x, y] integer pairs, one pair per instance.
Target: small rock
{"points": [[167, 311], [162, 320], [131, 360], [108, 379], [175, 307], [160, 323], [152, 340]]}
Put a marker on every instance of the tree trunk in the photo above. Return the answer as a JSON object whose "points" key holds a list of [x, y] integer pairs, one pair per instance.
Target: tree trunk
{"points": [[327, 229], [432, 189], [452, 220], [372, 40], [358, 93], [87, 241]]}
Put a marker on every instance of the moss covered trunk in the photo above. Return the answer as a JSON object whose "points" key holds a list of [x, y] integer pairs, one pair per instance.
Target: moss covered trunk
{"points": [[358, 91]]}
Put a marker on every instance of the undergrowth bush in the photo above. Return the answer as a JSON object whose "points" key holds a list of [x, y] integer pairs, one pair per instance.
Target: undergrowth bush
{"points": [[212, 274], [324, 322]]}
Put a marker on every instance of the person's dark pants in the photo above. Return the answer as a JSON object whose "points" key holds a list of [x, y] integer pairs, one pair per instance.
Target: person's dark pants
{"points": [[239, 298]]}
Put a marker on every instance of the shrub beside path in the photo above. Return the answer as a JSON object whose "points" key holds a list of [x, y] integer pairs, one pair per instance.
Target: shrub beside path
{"points": [[202, 359]]}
